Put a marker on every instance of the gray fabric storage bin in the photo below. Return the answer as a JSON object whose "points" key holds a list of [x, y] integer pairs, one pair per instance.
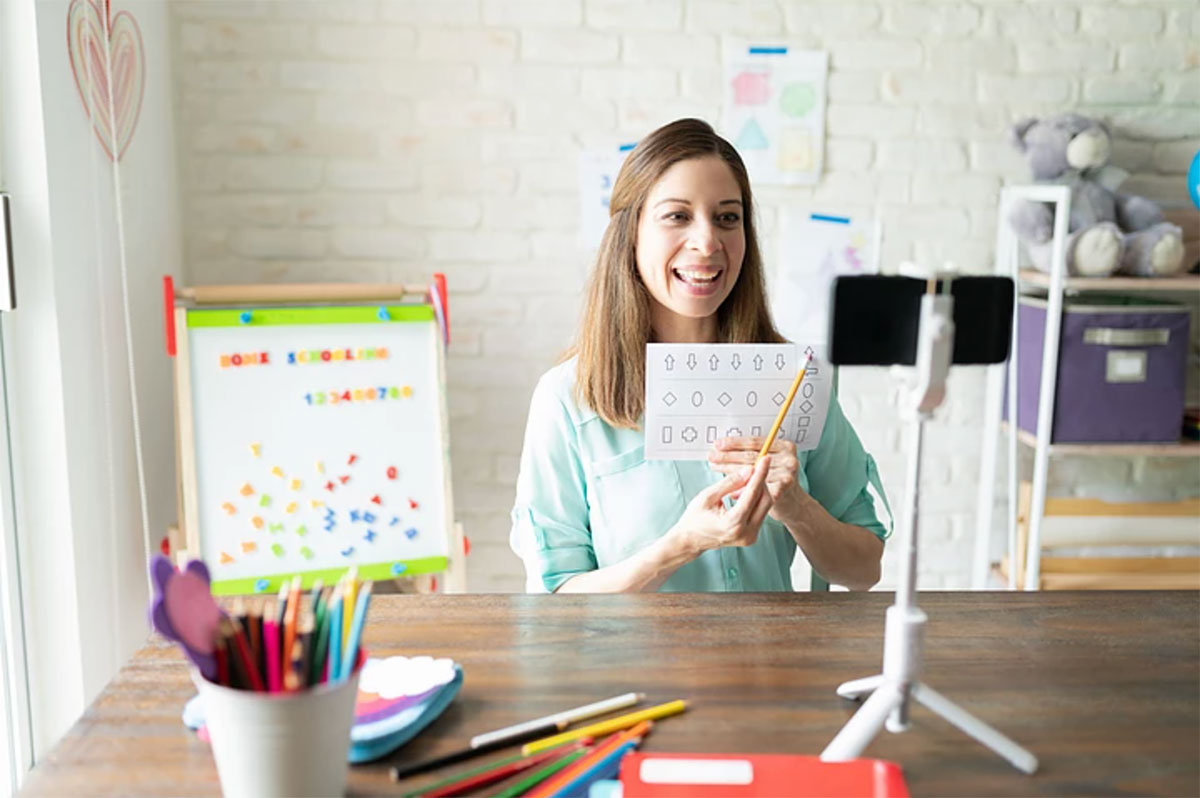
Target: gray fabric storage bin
{"points": [[1121, 369]]}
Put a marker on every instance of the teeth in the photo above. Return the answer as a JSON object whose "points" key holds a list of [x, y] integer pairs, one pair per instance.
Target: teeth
{"points": [[696, 277]]}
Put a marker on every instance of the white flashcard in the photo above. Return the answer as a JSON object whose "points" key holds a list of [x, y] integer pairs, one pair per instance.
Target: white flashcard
{"points": [[698, 393]]}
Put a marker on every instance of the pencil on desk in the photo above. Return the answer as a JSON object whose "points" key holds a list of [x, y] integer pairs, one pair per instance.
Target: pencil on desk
{"points": [[570, 716], [569, 775], [783, 411], [608, 726], [467, 753], [540, 758], [491, 774], [521, 787]]}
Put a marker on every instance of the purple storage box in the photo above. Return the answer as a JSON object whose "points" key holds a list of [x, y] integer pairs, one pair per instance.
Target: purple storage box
{"points": [[1121, 369]]}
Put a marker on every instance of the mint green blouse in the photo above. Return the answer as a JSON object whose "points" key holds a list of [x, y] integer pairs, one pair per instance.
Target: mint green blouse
{"points": [[588, 498]]}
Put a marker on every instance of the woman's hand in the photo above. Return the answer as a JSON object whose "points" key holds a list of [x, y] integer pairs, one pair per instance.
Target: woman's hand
{"points": [[729, 455], [707, 524]]}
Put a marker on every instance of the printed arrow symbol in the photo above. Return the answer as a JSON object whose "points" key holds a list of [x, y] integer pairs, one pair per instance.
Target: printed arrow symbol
{"points": [[780, 361], [713, 362], [691, 360], [670, 362], [758, 361], [736, 361]]}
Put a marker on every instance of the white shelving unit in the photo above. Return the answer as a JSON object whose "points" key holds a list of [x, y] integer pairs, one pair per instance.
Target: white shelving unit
{"points": [[1056, 284]]}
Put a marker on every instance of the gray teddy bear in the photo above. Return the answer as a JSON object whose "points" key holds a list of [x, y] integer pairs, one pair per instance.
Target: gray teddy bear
{"points": [[1108, 232]]}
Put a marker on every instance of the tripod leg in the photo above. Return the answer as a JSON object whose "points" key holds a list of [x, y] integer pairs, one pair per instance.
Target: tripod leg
{"points": [[1021, 759], [859, 687], [858, 732]]}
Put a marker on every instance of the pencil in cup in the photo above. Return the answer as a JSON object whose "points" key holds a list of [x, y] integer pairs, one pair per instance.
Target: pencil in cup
{"points": [[783, 410]]}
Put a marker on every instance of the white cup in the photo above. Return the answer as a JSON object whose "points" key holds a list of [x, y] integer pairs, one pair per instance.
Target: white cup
{"points": [[280, 744]]}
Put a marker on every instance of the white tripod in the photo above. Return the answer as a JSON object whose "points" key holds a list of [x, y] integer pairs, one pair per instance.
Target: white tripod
{"points": [[903, 635]]}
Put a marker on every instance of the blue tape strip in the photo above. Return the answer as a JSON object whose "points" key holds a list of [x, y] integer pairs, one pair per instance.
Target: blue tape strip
{"points": [[820, 217], [768, 51]]}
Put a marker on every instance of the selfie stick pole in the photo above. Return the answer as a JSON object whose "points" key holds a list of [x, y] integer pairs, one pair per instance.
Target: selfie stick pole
{"points": [[904, 630]]}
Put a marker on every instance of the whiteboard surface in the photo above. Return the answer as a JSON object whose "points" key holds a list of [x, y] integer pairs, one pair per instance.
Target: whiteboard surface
{"points": [[284, 431]]}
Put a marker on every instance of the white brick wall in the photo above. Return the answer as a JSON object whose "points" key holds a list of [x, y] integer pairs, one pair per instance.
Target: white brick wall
{"points": [[387, 139]]}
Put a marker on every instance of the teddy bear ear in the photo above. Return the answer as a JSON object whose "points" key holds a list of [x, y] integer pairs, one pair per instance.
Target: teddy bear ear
{"points": [[1017, 132]]}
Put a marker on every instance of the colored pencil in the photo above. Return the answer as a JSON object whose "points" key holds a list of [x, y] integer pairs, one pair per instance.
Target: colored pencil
{"points": [[549, 755], [522, 786], [254, 633], [289, 623], [292, 666], [356, 629], [334, 658], [233, 630], [321, 646], [468, 784], [467, 753], [554, 785], [569, 715], [598, 768], [783, 411], [349, 593], [608, 726], [281, 606], [221, 652], [271, 647]]}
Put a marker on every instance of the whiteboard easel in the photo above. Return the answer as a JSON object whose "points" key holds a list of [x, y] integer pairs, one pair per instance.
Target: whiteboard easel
{"points": [[312, 433]]}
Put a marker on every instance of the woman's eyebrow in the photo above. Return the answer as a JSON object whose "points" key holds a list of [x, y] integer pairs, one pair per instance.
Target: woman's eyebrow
{"points": [[686, 202]]}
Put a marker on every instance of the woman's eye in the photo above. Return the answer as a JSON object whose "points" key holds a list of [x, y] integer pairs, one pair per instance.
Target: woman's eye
{"points": [[676, 216], [729, 218]]}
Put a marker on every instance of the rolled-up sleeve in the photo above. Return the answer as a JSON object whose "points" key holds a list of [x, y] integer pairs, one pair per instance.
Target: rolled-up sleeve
{"points": [[841, 475], [550, 529]]}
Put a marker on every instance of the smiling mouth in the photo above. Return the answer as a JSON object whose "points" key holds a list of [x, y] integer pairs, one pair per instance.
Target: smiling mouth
{"points": [[696, 277]]}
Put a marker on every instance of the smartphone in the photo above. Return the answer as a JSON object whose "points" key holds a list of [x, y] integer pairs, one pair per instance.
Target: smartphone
{"points": [[873, 319]]}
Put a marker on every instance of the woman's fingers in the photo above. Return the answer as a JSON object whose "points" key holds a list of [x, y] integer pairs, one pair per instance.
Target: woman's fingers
{"points": [[735, 479], [753, 489]]}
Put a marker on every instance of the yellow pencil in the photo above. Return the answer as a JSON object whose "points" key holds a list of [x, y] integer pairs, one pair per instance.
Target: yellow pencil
{"points": [[349, 594], [783, 411], [606, 726]]}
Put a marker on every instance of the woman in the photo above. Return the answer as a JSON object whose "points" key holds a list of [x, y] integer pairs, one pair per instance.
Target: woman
{"points": [[679, 263]]}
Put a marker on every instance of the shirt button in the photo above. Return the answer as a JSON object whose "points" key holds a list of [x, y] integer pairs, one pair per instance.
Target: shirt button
{"points": [[732, 573]]}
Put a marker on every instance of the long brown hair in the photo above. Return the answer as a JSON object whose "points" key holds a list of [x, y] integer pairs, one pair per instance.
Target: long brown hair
{"points": [[615, 328]]}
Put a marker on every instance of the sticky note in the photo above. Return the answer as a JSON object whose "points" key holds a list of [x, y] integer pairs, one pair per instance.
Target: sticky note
{"points": [[277, 549], [247, 490], [257, 522], [249, 546], [264, 501], [295, 485], [291, 508]]}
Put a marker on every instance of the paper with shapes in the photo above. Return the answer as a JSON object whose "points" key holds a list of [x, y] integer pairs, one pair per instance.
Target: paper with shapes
{"points": [[597, 173], [697, 393], [774, 111], [814, 248]]}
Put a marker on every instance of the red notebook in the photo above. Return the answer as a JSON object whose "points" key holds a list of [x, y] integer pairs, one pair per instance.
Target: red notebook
{"points": [[766, 775]]}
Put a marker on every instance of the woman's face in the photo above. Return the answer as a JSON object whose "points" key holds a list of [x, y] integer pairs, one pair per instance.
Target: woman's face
{"points": [[691, 238]]}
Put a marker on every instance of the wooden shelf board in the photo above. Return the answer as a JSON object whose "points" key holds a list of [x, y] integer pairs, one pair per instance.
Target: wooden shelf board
{"points": [[1181, 449], [1184, 282]]}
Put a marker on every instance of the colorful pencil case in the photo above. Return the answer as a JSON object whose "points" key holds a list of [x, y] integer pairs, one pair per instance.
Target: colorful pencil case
{"points": [[397, 698]]}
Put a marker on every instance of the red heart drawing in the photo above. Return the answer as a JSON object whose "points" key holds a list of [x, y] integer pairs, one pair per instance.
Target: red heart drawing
{"points": [[101, 47]]}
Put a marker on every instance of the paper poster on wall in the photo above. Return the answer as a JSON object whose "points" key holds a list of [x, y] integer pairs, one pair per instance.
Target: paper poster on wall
{"points": [[597, 173], [774, 111], [697, 393], [813, 249]]}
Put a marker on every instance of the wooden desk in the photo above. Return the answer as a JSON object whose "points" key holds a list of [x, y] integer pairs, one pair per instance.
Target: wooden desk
{"points": [[1104, 687]]}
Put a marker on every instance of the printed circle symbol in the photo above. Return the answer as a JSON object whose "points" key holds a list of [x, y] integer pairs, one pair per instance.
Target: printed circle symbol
{"points": [[797, 99]]}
